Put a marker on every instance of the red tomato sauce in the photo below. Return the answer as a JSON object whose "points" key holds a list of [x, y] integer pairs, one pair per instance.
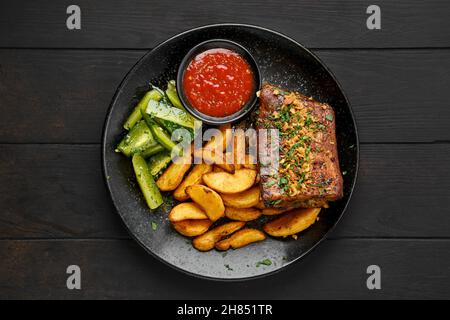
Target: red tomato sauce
{"points": [[218, 82]]}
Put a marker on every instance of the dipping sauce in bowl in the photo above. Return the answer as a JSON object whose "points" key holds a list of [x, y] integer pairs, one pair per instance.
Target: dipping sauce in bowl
{"points": [[218, 82]]}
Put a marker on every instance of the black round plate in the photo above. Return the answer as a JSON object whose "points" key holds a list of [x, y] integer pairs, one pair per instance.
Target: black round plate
{"points": [[283, 62]]}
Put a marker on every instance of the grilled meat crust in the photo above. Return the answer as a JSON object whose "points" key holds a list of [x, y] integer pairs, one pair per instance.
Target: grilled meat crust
{"points": [[308, 174]]}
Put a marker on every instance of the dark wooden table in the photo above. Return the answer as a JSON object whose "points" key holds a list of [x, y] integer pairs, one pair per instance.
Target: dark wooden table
{"points": [[55, 89]]}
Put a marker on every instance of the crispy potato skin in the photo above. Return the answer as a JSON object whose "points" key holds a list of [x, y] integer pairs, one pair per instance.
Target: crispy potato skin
{"points": [[218, 169], [243, 214], [240, 239], [192, 228], [222, 144], [257, 179], [227, 183], [239, 149], [187, 211], [227, 135], [172, 177], [273, 211], [260, 204], [249, 163], [245, 199], [220, 161], [193, 177], [208, 240], [292, 222], [223, 245], [208, 200]]}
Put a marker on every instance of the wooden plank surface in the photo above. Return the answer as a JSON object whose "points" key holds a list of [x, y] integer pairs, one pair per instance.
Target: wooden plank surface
{"points": [[120, 269], [144, 23], [61, 96], [57, 191]]}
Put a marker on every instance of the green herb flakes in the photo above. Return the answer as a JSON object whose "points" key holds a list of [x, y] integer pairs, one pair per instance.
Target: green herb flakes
{"points": [[265, 262], [274, 202]]}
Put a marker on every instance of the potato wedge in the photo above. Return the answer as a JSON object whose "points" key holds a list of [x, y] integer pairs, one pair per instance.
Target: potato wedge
{"points": [[192, 228], [187, 211], [227, 135], [273, 211], [221, 161], [240, 239], [208, 240], [243, 214], [239, 149], [237, 166], [218, 159], [260, 205], [245, 199], [225, 130], [292, 222], [210, 152], [193, 177], [249, 163], [208, 200], [172, 177], [225, 182], [217, 169]]}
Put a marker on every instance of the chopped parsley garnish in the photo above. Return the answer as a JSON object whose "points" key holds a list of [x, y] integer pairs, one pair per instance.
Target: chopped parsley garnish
{"points": [[329, 117], [305, 138], [270, 183], [274, 202], [294, 148], [154, 226], [307, 152], [308, 121], [301, 179], [284, 184], [319, 185], [263, 163], [320, 126], [285, 116], [265, 262]]}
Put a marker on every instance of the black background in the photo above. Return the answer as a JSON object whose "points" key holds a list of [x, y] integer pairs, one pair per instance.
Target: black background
{"points": [[55, 89]]}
